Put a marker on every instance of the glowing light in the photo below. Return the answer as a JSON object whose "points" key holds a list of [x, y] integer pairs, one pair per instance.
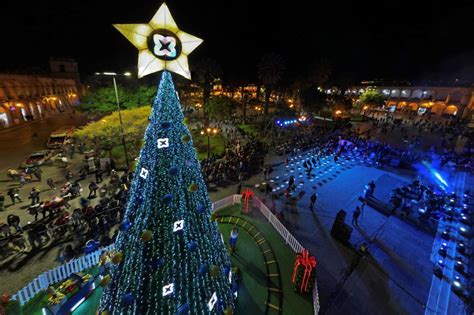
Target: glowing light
{"points": [[168, 289], [161, 44], [212, 302], [178, 226], [338, 112], [163, 143], [365, 107], [77, 304], [143, 173], [457, 284]]}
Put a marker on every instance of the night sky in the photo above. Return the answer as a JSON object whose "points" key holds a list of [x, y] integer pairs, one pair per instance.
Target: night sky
{"points": [[413, 40]]}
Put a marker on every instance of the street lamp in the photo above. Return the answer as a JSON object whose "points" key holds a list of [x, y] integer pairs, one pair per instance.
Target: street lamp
{"points": [[198, 106], [209, 132], [113, 75]]}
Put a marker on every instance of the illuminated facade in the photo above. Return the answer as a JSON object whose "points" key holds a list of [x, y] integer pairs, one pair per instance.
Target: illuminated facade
{"points": [[29, 97], [440, 101], [236, 92]]}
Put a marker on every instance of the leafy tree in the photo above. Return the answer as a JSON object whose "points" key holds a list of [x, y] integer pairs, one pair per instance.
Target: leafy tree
{"points": [[207, 70], [270, 72], [372, 98], [283, 110], [313, 100], [103, 134], [221, 107], [171, 259], [341, 102], [102, 100]]}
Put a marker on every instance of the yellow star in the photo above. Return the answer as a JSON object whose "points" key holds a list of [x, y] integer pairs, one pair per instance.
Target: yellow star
{"points": [[161, 44]]}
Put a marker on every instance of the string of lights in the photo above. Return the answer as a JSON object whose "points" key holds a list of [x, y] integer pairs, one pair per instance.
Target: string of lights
{"points": [[171, 256]]}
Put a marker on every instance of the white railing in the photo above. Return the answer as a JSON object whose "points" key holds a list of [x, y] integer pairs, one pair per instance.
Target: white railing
{"points": [[279, 227], [43, 281], [47, 278], [227, 201], [284, 233]]}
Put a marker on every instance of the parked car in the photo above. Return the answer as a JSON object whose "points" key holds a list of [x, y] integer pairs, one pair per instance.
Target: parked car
{"points": [[60, 137], [37, 158]]}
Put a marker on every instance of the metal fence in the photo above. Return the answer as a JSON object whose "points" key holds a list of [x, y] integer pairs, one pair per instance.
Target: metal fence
{"points": [[43, 281], [289, 239], [47, 278]]}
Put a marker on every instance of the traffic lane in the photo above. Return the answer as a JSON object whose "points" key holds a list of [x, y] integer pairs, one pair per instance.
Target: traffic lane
{"points": [[17, 144]]}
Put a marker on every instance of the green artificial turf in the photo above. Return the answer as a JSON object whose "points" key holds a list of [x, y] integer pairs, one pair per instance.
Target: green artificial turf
{"points": [[38, 302], [293, 303], [248, 257], [90, 306], [252, 293]]}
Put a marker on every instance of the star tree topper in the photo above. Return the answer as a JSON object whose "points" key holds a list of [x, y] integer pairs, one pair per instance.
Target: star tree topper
{"points": [[161, 44]]}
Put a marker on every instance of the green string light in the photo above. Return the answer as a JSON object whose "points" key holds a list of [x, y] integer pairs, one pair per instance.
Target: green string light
{"points": [[159, 197]]}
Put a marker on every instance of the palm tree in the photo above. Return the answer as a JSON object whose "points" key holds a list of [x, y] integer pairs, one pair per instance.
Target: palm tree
{"points": [[207, 70], [270, 72]]}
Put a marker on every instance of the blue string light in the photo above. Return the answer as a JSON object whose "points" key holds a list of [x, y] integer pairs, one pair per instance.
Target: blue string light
{"points": [[156, 202]]}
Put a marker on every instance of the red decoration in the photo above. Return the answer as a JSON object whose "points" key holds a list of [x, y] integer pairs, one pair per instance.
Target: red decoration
{"points": [[306, 264], [6, 297], [247, 195]]}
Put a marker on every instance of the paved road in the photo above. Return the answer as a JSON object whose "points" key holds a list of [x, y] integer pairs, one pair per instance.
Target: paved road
{"points": [[18, 143]]}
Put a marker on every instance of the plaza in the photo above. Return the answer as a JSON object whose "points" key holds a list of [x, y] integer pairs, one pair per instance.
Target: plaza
{"points": [[175, 161]]}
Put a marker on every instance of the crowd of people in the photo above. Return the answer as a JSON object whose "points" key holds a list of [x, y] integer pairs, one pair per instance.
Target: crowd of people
{"points": [[79, 229], [243, 156], [423, 203]]}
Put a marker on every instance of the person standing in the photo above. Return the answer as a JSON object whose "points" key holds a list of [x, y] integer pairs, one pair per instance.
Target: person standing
{"points": [[93, 190], [312, 200], [38, 173], [234, 234], [50, 183], [239, 188], [14, 221], [372, 187], [34, 195], [98, 175], [14, 195], [291, 182], [356, 215], [2, 202]]}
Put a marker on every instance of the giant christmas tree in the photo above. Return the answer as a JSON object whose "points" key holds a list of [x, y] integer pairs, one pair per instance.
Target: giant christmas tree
{"points": [[170, 257], [174, 260]]}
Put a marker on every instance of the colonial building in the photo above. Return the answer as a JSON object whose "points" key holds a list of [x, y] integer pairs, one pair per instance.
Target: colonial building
{"points": [[440, 101], [28, 97]]}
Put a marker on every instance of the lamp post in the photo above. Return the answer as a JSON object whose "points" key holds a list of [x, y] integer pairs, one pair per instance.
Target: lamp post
{"points": [[209, 132], [198, 106], [113, 75]]}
